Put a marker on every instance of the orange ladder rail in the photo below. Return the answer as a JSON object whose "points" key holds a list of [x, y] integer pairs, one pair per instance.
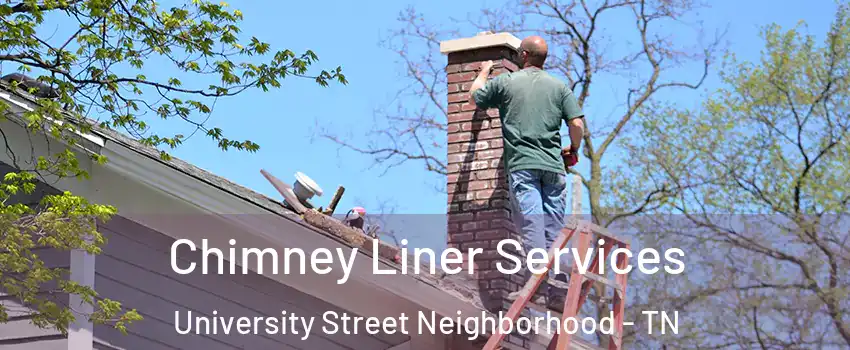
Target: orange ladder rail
{"points": [[579, 285]]}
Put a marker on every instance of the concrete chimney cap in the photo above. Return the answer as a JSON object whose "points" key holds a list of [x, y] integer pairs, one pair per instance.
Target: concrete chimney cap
{"points": [[480, 41]]}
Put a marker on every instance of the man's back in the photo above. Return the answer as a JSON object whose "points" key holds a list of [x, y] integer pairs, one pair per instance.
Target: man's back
{"points": [[531, 104]]}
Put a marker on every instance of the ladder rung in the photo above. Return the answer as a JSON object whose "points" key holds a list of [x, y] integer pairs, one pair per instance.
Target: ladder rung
{"points": [[604, 280], [558, 284]]}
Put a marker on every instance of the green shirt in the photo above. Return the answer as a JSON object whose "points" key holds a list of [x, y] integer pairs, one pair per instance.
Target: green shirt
{"points": [[531, 105]]}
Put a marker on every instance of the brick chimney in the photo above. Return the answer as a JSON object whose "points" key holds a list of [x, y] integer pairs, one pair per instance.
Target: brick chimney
{"points": [[479, 208]]}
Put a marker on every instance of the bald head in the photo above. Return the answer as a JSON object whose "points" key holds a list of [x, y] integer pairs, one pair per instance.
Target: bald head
{"points": [[535, 49]]}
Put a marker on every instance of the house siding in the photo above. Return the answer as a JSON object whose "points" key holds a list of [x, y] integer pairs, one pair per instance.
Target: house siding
{"points": [[135, 269], [19, 332]]}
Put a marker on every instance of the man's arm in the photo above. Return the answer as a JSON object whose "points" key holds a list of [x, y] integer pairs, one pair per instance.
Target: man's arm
{"points": [[575, 124], [576, 128], [480, 82]]}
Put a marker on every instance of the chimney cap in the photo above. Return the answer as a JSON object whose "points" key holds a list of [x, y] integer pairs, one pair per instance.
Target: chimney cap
{"points": [[480, 41]]}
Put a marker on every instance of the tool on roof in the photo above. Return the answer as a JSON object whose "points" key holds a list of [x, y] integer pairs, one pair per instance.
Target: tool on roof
{"points": [[355, 217], [579, 285], [334, 201]]}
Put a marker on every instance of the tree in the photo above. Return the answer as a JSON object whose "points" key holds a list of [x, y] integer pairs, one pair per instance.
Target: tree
{"points": [[765, 163], [581, 36], [91, 76]]}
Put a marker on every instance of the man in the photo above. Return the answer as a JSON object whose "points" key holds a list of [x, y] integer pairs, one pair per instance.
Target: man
{"points": [[531, 106]]}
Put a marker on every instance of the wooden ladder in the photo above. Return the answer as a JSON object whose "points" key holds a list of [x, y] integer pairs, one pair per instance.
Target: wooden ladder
{"points": [[579, 284]]}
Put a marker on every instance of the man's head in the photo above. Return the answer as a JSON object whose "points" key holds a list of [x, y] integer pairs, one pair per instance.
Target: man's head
{"points": [[532, 51]]}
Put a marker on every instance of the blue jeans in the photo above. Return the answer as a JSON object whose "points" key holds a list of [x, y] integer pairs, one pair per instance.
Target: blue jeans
{"points": [[540, 197]]}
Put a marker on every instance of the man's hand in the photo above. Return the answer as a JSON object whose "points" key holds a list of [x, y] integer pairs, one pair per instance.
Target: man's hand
{"points": [[487, 66], [570, 156], [479, 82]]}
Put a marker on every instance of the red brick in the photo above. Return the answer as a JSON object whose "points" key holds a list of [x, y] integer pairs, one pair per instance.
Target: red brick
{"points": [[454, 207], [454, 108], [502, 223], [475, 244], [497, 143], [460, 137], [475, 205], [491, 194], [499, 203], [469, 226], [517, 278], [513, 286], [453, 68], [460, 77], [461, 217], [477, 185], [452, 88], [477, 146], [489, 254], [491, 234], [452, 168], [489, 154], [493, 214], [496, 123], [462, 197], [498, 283], [453, 128], [475, 125], [486, 174], [490, 134], [471, 67], [452, 228], [467, 107], [459, 158], [461, 237], [509, 65], [490, 274], [492, 113], [476, 165], [459, 97], [461, 117], [451, 178]]}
